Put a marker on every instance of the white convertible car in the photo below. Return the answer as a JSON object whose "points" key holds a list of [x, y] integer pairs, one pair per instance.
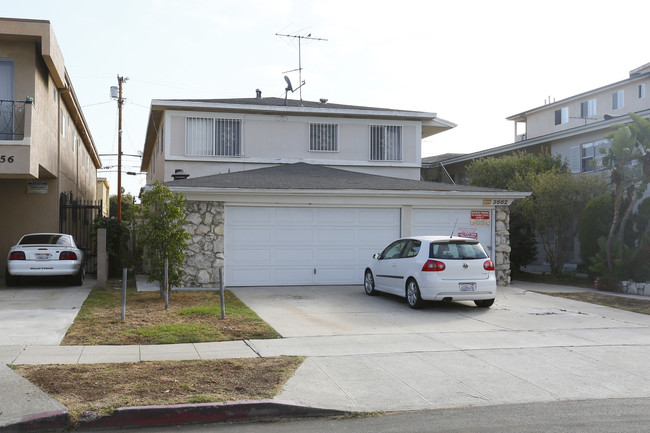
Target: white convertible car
{"points": [[45, 255]]}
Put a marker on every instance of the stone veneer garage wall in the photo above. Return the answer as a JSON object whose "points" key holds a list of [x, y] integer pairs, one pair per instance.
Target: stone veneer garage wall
{"points": [[205, 248], [204, 253]]}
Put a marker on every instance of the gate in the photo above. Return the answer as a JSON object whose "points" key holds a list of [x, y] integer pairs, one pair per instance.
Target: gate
{"points": [[76, 218]]}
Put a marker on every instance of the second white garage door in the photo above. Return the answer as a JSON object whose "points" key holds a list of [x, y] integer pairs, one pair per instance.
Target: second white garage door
{"points": [[268, 246]]}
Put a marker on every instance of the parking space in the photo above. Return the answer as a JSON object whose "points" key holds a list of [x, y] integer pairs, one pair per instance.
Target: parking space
{"points": [[39, 312]]}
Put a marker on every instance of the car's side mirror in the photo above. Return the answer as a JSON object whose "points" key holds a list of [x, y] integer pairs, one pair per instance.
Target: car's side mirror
{"points": [[376, 256]]}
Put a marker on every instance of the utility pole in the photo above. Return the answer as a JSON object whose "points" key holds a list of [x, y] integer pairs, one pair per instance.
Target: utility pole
{"points": [[120, 103]]}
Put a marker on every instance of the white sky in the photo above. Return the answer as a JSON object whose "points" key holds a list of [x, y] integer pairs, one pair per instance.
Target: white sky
{"points": [[473, 62]]}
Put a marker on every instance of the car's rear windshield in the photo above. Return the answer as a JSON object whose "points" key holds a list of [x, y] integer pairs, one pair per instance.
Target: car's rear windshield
{"points": [[457, 251], [45, 240]]}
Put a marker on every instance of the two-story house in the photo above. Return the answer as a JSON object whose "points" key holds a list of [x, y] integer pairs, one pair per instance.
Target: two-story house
{"points": [[574, 128], [286, 192], [47, 155]]}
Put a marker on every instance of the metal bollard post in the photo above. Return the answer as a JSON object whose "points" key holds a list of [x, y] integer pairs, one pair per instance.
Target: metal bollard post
{"points": [[223, 302], [166, 286], [124, 273]]}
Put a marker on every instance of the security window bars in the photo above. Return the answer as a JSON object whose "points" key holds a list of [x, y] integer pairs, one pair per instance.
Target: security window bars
{"points": [[213, 137], [385, 143], [323, 137]]}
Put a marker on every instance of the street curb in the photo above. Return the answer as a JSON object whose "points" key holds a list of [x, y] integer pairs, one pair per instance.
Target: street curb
{"points": [[152, 416], [56, 420]]}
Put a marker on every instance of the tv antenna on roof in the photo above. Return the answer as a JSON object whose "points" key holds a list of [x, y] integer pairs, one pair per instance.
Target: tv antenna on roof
{"points": [[302, 83]]}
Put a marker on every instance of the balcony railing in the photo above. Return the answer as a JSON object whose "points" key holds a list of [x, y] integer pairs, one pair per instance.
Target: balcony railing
{"points": [[12, 120]]}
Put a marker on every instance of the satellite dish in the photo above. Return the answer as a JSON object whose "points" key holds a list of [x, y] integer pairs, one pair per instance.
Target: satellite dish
{"points": [[289, 86]]}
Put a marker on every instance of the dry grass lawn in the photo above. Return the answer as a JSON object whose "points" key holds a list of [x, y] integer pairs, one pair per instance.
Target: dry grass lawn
{"points": [[622, 303], [105, 387], [192, 317]]}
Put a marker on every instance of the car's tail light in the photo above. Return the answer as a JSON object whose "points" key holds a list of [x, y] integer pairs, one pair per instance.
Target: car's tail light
{"points": [[488, 265], [67, 255], [433, 266], [17, 255]]}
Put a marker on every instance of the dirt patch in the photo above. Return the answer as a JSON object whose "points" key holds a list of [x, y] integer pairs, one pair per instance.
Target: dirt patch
{"points": [[105, 387], [623, 303]]}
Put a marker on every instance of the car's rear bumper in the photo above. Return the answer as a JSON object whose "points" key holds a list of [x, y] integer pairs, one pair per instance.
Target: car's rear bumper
{"points": [[449, 290], [30, 268]]}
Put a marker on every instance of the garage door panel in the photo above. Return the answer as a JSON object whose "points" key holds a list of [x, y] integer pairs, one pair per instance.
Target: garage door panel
{"points": [[333, 236], [250, 277], [293, 237], [261, 216], [292, 276], [326, 256], [251, 236], [242, 255], [378, 216], [335, 276], [294, 215], [293, 256], [339, 217], [376, 236]]}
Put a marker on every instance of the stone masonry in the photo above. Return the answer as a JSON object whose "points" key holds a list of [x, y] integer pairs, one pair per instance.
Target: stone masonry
{"points": [[502, 250], [204, 253]]}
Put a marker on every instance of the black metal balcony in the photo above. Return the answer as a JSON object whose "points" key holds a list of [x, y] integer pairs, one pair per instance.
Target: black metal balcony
{"points": [[12, 120]]}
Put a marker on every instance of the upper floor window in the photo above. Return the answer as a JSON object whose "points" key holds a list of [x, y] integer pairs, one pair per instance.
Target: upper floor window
{"points": [[562, 116], [385, 143], [323, 137], [588, 108], [213, 137], [641, 90], [618, 100], [588, 157]]}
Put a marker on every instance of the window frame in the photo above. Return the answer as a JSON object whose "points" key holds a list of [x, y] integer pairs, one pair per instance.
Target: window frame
{"points": [[588, 108], [381, 148], [208, 136], [316, 131], [562, 116], [641, 91], [618, 100]]}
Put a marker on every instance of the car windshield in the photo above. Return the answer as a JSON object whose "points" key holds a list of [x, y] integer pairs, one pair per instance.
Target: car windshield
{"points": [[45, 239], [457, 251]]}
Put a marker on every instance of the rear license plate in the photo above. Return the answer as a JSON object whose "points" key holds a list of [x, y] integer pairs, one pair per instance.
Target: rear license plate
{"points": [[42, 256], [467, 287]]}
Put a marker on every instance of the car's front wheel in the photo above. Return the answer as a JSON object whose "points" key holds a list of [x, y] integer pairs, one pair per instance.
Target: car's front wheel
{"points": [[369, 284], [11, 280], [413, 296], [484, 303]]}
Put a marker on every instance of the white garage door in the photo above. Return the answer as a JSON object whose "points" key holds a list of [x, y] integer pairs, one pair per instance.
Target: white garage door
{"points": [[268, 246], [464, 222]]}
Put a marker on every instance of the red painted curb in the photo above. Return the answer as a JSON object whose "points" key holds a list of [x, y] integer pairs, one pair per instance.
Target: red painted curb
{"points": [[56, 420], [140, 416]]}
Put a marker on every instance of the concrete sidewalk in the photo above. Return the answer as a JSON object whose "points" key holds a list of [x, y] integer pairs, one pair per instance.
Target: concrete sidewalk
{"points": [[527, 348]]}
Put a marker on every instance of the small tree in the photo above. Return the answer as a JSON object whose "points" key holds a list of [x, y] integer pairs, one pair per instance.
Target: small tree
{"points": [[515, 172], [162, 234], [554, 209], [628, 160]]}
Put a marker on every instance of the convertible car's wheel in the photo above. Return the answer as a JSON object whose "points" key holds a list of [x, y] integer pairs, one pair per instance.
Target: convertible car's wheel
{"points": [[11, 280], [413, 294], [369, 284], [484, 303], [78, 279]]}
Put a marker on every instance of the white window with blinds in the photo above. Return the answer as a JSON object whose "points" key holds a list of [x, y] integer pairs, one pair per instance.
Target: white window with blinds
{"points": [[213, 137], [323, 137], [385, 143]]}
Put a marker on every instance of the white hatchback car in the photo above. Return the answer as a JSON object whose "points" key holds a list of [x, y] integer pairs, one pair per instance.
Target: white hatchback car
{"points": [[433, 268], [45, 255]]}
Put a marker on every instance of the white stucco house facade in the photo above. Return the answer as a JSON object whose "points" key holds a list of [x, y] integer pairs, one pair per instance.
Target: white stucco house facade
{"points": [[303, 193]]}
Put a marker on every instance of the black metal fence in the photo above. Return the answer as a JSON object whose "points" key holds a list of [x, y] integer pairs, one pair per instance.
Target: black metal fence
{"points": [[12, 120], [76, 218]]}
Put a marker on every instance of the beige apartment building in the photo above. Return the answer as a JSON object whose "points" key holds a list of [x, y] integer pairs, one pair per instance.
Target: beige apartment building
{"points": [[48, 159]]}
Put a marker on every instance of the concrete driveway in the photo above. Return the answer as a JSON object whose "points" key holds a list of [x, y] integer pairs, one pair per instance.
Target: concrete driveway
{"points": [[376, 354], [38, 312]]}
